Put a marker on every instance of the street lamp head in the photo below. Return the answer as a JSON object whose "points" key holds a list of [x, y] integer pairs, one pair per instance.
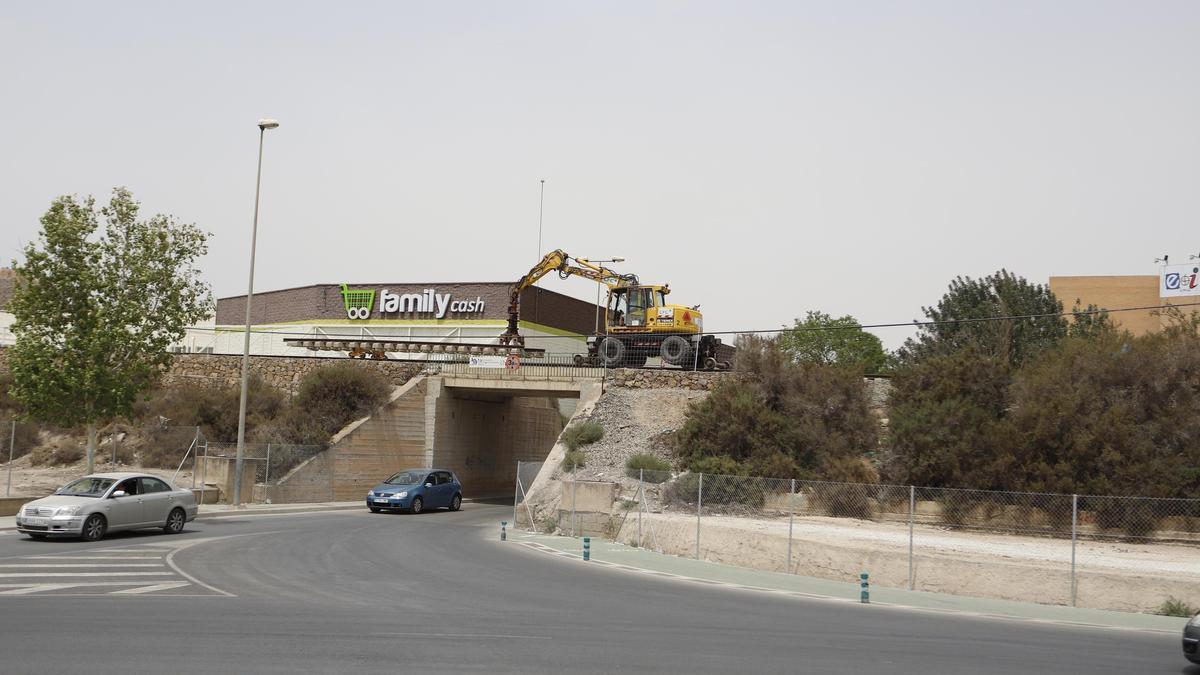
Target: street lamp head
{"points": [[267, 124], [618, 259]]}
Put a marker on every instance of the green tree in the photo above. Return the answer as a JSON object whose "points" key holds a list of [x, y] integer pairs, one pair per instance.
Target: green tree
{"points": [[826, 341], [948, 422], [782, 419], [97, 309], [973, 311], [1113, 415]]}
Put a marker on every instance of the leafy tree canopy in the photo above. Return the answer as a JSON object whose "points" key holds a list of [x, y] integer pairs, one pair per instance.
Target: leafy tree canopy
{"points": [[823, 340], [96, 308], [972, 312], [782, 420]]}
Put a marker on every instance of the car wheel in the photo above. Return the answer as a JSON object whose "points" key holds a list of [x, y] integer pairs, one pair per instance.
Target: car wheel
{"points": [[175, 521], [418, 505], [456, 503], [374, 510], [94, 528]]}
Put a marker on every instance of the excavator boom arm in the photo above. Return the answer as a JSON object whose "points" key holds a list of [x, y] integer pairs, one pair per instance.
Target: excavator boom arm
{"points": [[557, 260]]}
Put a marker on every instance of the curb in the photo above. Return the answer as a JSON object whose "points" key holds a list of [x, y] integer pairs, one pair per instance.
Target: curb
{"points": [[299, 508], [1017, 618]]}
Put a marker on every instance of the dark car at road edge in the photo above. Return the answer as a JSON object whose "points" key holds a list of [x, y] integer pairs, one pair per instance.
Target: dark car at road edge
{"points": [[416, 490]]}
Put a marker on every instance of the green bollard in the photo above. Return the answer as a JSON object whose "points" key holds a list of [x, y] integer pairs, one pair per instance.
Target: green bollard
{"points": [[503, 534], [587, 548], [865, 594]]}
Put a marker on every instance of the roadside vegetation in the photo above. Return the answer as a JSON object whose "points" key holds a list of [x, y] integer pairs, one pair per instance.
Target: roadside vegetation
{"points": [[652, 468], [782, 419], [161, 425], [981, 398], [1173, 606], [575, 438]]}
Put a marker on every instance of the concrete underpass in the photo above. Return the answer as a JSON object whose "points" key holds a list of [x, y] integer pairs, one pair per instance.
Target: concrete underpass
{"points": [[477, 427]]}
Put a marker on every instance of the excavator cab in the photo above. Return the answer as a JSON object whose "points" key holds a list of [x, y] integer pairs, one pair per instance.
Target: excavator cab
{"points": [[639, 308]]}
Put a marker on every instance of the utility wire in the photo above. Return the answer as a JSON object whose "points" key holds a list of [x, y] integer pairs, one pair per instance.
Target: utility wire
{"points": [[903, 324]]}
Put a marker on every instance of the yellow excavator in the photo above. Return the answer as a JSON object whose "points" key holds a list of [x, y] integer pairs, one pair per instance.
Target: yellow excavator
{"points": [[638, 322]]}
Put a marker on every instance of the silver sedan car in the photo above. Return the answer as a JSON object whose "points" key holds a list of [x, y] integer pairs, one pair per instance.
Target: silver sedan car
{"points": [[108, 502]]}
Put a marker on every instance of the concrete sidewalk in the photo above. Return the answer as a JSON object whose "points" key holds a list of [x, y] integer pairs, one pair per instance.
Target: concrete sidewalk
{"points": [[619, 556]]}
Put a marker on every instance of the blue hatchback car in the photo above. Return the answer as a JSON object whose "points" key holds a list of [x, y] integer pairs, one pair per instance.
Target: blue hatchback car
{"points": [[415, 490]]}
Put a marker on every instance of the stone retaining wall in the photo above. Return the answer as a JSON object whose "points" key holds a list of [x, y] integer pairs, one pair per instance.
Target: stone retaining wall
{"points": [[282, 372], [665, 379]]}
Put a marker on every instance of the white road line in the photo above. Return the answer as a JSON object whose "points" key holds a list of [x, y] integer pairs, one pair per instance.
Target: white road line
{"points": [[87, 565], [40, 588], [151, 589], [493, 636], [131, 582], [6, 575], [91, 557], [194, 580]]}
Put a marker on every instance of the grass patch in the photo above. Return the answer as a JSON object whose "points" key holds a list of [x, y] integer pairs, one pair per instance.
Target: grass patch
{"points": [[584, 433], [59, 453], [656, 470], [1173, 606], [573, 459]]}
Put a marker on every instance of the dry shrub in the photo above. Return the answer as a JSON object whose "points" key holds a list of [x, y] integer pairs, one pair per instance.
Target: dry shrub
{"points": [[60, 452]]}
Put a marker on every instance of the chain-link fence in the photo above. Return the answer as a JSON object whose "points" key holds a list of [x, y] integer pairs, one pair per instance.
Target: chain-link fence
{"points": [[36, 459], [1127, 553], [272, 472]]}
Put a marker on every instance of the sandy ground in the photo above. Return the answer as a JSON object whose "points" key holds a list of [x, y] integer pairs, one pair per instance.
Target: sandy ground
{"points": [[1119, 576], [39, 481]]}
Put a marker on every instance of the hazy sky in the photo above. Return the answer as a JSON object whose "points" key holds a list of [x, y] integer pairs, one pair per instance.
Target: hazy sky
{"points": [[763, 158]]}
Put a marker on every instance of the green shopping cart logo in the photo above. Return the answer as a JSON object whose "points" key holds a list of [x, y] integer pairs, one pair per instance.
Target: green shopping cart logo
{"points": [[358, 302]]}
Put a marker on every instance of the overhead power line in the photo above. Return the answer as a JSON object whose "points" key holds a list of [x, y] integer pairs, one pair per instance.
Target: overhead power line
{"points": [[896, 324]]}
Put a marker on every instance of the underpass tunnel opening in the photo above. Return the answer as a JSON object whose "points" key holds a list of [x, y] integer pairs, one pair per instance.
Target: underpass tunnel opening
{"points": [[480, 435]]}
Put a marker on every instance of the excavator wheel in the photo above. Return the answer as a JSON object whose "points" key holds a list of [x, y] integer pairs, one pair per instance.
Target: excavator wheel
{"points": [[675, 350], [611, 352]]}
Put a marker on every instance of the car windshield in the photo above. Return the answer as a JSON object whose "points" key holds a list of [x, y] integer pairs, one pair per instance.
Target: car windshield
{"points": [[87, 487], [406, 478]]}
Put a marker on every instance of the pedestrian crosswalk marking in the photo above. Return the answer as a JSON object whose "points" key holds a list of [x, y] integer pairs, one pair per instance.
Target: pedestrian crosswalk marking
{"points": [[151, 589], [9, 575], [80, 565]]}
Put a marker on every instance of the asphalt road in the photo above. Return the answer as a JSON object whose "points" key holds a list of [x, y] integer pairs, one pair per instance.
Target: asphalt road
{"points": [[354, 592]]}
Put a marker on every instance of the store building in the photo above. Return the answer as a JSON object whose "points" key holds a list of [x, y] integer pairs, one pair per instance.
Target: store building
{"points": [[8, 280], [1173, 285], [454, 312]]}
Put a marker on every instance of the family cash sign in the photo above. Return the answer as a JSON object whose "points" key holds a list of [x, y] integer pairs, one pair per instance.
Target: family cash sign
{"points": [[428, 301]]}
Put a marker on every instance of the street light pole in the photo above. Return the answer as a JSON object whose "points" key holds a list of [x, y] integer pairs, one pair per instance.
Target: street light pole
{"points": [[263, 125], [541, 201]]}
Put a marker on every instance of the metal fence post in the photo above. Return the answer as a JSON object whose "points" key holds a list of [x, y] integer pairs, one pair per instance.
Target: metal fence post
{"points": [[791, 517], [641, 501], [912, 509], [699, 505], [267, 477], [574, 497], [12, 446], [517, 495], [1074, 529]]}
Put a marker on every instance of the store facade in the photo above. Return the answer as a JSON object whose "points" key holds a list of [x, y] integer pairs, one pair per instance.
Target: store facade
{"points": [[454, 312]]}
